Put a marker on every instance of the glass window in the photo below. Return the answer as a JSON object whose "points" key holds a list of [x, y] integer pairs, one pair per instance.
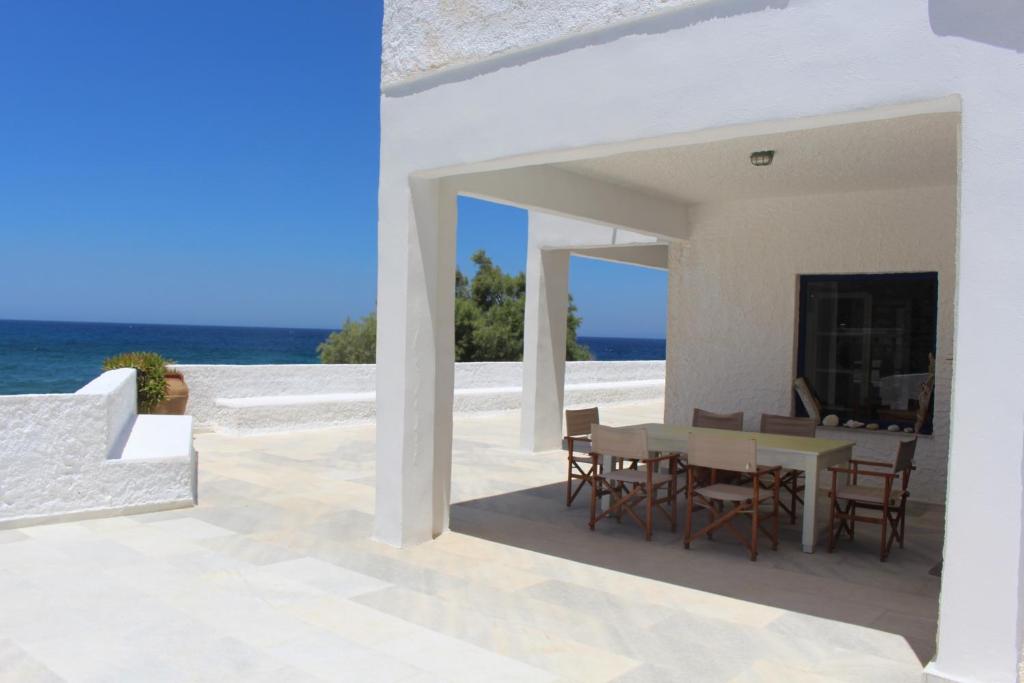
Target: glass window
{"points": [[864, 344]]}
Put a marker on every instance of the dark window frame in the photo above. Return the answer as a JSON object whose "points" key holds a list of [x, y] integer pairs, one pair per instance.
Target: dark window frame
{"points": [[802, 297]]}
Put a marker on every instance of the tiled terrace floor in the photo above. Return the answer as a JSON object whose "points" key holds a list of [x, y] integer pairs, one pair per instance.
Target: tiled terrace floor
{"points": [[273, 577]]}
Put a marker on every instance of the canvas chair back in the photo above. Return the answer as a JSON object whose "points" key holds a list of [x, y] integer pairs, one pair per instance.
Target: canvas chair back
{"points": [[577, 422], [709, 420], [904, 456], [789, 426], [722, 453], [618, 442]]}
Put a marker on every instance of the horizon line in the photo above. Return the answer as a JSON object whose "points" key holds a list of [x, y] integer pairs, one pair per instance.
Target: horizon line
{"points": [[254, 327]]}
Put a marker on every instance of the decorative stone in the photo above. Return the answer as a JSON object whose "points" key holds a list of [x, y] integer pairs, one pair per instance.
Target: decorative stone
{"points": [[853, 424], [908, 430], [873, 426], [831, 421], [893, 428]]}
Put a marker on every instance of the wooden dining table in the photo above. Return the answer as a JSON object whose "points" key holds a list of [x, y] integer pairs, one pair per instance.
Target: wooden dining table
{"points": [[807, 454]]}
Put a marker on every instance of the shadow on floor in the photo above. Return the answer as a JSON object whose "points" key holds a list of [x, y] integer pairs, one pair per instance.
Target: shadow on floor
{"points": [[850, 585]]}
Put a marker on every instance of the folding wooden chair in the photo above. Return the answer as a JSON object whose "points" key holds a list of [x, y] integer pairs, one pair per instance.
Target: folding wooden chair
{"points": [[629, 488], [792, 480], [731, 455], [709, 420], [582, 466], [890, 499]]}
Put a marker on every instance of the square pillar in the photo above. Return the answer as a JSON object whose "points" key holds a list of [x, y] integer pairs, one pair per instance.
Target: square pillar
{"points": [[981, 604], [544, 333], [415, 359]]}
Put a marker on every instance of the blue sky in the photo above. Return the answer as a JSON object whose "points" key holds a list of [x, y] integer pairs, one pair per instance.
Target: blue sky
{"points": [[216, 163]]}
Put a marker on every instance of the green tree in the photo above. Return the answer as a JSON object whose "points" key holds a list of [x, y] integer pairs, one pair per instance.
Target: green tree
{"points": [[489, 313], [356, 342]]}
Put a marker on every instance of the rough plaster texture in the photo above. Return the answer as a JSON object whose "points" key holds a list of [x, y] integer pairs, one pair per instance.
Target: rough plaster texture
{"points": [[422, 36], [60, 455], [208, 383], [255, 399], [733, 298], [795, 65]]}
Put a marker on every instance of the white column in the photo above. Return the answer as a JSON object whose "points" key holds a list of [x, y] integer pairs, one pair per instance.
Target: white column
{"points": [[676, 403], [415, 359], [980, 604], [544, 332]]}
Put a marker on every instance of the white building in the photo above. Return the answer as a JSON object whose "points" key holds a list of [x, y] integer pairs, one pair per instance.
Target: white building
{"points": [[898, 132]]}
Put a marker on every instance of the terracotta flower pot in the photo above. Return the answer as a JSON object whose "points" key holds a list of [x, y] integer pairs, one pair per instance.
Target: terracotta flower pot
{"points": [[177, 396]]}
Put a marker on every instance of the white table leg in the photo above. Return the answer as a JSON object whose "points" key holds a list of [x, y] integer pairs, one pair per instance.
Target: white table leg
{"points": [[606, 466], [810, 530]]}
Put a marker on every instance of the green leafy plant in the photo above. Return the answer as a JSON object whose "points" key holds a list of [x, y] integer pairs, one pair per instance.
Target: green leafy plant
{"points": [[150, 371], [355, 342], [489, 315]]}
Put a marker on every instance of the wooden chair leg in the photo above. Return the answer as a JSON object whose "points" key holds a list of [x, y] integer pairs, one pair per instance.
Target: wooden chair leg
{"points": [[833, 504], [715, 511], [568, 484], [594, 494], [755, 525], [903, 522], [649, 520], [893, 533], [775, 514], [795, 483], [673, 494], [885, 519], [689, 508]]}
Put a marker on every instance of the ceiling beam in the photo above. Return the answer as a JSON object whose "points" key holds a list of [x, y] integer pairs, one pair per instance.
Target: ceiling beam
{"points": [[645, 255], [564, 193]]}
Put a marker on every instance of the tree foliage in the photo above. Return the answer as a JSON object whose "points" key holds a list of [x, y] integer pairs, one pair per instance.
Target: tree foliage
{"points": [[355, 342], [489, 313]]}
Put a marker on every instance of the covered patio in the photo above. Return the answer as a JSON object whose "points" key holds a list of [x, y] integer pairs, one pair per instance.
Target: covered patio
{"points": [[863, 193]]}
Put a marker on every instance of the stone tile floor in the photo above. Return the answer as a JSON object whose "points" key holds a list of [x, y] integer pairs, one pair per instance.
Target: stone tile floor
{"points": [[273, 577]]}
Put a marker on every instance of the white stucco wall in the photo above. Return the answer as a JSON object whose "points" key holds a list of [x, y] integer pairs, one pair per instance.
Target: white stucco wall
{"points": [[61, 455], [423, 36], [733, 299], [207, 383], [254, 399]]}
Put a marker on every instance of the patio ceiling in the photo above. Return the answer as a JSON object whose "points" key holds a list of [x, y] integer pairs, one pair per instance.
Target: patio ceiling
{"points": [[911, 151]]}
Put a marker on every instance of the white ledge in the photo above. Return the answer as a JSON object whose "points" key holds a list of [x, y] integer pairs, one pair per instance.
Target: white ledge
{"points": [[158, 437]]}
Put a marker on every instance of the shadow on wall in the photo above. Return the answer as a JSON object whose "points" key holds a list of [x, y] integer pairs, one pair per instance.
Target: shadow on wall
{"points": [[999, 23], [669, 20]]}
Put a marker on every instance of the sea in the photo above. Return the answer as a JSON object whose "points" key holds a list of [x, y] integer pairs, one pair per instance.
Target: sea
{"points": [[57, 357]]}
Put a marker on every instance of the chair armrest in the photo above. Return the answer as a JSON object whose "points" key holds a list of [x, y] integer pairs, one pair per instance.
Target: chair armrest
{"points": [[872, 463], [863, 473], [660, 458]]}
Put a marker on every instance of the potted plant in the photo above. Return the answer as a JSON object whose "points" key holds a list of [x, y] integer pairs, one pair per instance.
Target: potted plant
{"points": [[161, 391]]}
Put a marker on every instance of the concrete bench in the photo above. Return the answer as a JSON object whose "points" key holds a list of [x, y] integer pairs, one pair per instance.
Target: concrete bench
{"points": [[261, 414], [157, 437], [258, 414]]}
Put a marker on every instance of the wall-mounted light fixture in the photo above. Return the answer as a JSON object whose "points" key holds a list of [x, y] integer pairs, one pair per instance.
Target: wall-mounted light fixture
{"points": [[762, 158]]}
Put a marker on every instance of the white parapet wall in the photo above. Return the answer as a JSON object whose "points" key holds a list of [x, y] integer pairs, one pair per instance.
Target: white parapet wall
{"points": [[64, 456], [253, 399]]}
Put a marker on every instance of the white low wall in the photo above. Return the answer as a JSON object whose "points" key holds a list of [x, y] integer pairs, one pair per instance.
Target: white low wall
{"points": [[89, 453], [251, 399]]}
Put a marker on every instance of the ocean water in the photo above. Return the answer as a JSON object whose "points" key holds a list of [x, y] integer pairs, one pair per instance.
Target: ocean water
{"points": [[624, 348], [55, 357]]}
